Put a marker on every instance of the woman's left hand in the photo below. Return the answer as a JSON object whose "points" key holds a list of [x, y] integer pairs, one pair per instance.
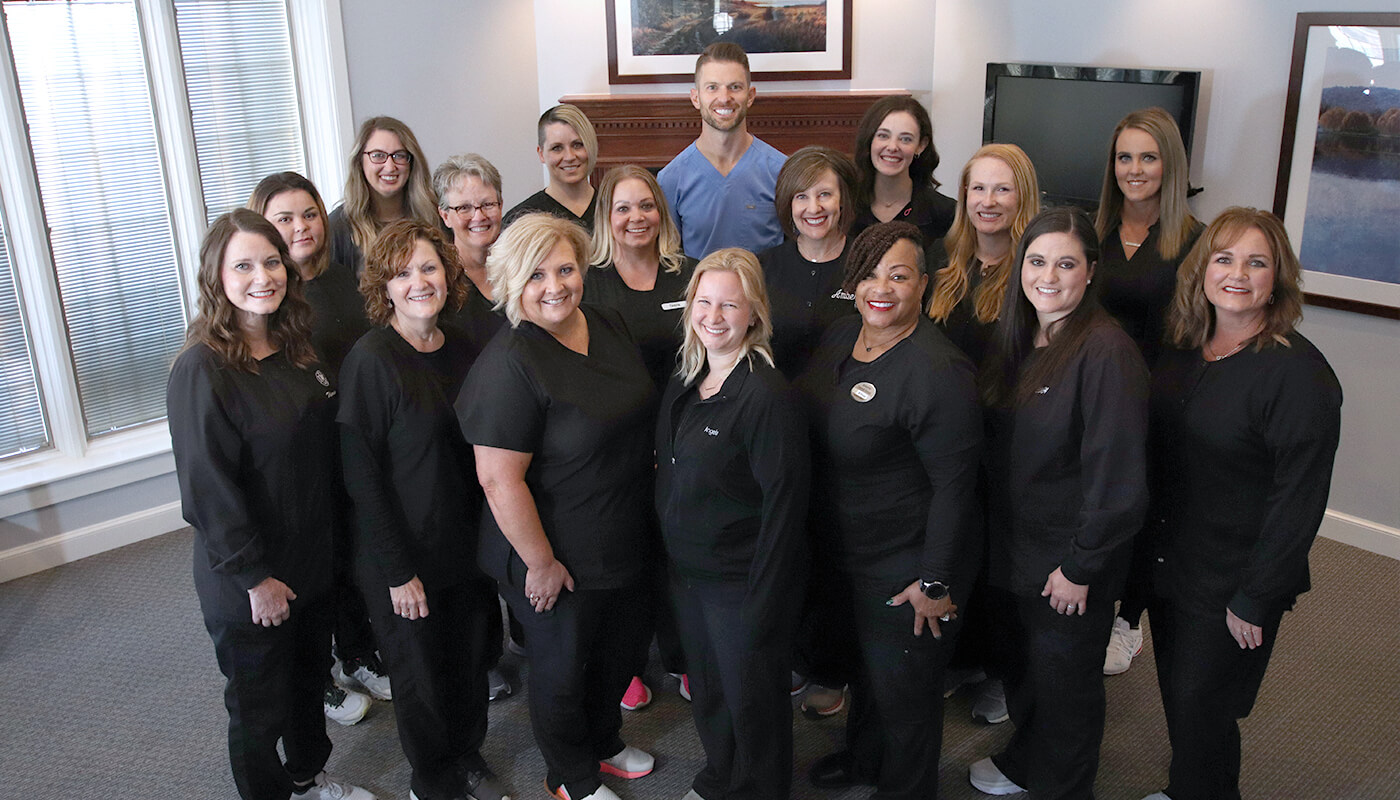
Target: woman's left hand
{"points": [[1066, 596], [926, 610], [1248, 636]]}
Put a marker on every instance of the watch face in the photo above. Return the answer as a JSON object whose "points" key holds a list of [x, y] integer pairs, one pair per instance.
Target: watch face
{"points": [[934, 590]]}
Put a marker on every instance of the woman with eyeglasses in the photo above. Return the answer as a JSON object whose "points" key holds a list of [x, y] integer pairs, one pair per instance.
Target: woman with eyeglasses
{"points": [[387, 180], [568, 146], [469, 202]]}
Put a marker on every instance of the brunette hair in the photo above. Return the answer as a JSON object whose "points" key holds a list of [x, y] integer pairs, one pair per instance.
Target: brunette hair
{"points": [[1002, 382], [391, 251], [804, 168], [725, 52], [574, 117], [521, 249], [952, 281], [1191, 318], [873, 243], [756, 339], [216, 325], [416, 198], [668, 239], [280, 182], [1175, 221], [922, 167]]}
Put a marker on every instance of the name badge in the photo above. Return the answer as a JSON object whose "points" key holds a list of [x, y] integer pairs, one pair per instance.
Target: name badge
{"points": [[674, 305], [863, 392]]}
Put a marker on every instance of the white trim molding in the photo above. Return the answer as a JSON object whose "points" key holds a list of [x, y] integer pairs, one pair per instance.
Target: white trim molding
{"points": [[89, 541], [1363, 533]]}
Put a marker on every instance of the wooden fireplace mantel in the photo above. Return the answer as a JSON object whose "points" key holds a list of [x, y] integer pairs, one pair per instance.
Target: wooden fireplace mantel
{"points": [[650, 129]]}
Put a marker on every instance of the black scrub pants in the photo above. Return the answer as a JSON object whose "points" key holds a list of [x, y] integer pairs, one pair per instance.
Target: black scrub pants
{"points": [[275, 682], [438, 668], [1055, 694], [894, 730], [582, 655], [739, 682], [1208, 684]]}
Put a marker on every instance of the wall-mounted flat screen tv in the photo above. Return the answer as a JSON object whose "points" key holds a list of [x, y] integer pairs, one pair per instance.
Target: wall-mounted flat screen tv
{"points": [[1063, 115]]}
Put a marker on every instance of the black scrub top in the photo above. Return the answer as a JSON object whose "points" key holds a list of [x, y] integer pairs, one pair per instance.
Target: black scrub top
{"points": [[806, 297], [337, 313], [1138, 291], [653, 317], [587, 421], [541, 202], [928, 210]]}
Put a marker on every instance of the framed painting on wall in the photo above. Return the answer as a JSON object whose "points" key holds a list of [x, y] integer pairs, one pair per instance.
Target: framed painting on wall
{"points": [[656, 41], [1338, 188]]}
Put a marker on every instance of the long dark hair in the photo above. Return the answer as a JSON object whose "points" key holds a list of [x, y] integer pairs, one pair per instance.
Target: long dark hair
{"points": [[216, 326], [1002, 382], [921, 168]]}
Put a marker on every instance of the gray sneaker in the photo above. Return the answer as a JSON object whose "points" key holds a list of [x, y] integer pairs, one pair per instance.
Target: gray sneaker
{"points": [[497, 685], [990, 704], [987, 779], [324, 787], [344, 706]]}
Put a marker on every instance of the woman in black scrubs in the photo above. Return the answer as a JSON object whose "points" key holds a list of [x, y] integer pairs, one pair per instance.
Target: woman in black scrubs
{"points": [[253, 433], [558, 409], [1240, 400], [568, 147], [731, 492], [387, 180], [468, 188], [897, 433], [816, 202], [292, 204], [1145, 229], [1066, 392], [637, 267], [895, 159], [409, 474]]}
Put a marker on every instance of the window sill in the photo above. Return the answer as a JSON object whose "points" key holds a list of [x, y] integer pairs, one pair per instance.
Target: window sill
{"points": [[48, 477]]}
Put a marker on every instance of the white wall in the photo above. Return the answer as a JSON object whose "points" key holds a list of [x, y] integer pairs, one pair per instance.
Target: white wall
{"points": [[461, 74], [1245, 48]]}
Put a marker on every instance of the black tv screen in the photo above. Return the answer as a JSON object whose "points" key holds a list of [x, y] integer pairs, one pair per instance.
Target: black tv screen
{"points": [[1062, 117]]}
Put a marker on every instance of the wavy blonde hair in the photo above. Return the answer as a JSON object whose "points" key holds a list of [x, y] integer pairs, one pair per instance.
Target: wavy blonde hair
{"points": [[1191, 318], [1175, 221], [668, 239], [520, 251], [952, 281], [756, 339], [417, 198]]}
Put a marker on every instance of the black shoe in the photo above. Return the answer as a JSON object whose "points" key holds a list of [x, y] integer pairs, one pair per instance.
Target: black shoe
{"points": [[835, 771]]}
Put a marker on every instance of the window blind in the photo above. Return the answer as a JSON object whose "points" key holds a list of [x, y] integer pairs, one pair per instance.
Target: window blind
{"points": [[86, 100], [239, 76], [22, 426]]}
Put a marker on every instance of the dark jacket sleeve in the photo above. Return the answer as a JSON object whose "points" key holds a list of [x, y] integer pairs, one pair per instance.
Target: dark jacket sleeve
{"points": [[368, 397], [777, 442], [1113, 452], [947, 433], [207, 448], [1302, 426]]}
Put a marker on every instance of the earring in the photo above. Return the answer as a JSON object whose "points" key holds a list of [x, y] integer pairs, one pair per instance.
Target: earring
{"points": [[1271, 298]]}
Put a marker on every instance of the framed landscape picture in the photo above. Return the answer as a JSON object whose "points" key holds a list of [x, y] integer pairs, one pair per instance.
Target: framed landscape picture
{"points": [[1338, 188], [656, 41]]}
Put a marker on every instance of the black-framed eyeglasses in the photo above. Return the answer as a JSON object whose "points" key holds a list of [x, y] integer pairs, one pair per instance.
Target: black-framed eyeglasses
{"points": [[469, 209], [400, 157]]}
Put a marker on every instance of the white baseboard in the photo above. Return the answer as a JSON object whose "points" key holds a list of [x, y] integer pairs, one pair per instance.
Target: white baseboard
{"points": [[1362, 533], [83, 542]]}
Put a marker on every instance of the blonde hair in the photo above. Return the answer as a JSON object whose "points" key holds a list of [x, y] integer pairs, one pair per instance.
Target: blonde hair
{"points": [[1175, 221], [744, 265], [520, 251], [668, 239], [417, 199], [1191, 318], [574, 117], [952, 281]]}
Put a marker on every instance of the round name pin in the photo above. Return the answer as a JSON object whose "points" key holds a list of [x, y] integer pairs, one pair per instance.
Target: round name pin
{"points": [[863, 392]]}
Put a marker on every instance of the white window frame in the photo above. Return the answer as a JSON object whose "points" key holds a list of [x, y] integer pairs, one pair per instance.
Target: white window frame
{"points": [[318, 49]]}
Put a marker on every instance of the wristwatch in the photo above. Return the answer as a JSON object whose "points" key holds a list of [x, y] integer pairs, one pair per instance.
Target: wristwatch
{"points": [[934, 590]]}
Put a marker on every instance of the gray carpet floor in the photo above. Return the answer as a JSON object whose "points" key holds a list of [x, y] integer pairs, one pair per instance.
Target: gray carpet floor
{"points": [[109, 689]]}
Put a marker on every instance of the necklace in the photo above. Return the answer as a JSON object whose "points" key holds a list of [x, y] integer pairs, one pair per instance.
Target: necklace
{"points": [[1127, 243], [1211, 352], [861, 339]]}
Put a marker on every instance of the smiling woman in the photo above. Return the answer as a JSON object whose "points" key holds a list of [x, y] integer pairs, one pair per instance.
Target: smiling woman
{"points": [[568, 147]]}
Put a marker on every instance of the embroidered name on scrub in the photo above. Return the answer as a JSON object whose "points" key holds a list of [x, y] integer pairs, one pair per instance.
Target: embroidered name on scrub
{"points": [[711, 431], [863, 392], [842, 294]]}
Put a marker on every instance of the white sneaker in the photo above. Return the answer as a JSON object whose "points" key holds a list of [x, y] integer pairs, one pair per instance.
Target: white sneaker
{"points": [[990, 704], [497, 685], [324, 787], [367, 674], [344, 707], [987, 779], [692, 795], [603, 793], [1123, 646], [1157, 796], [630, 762]]}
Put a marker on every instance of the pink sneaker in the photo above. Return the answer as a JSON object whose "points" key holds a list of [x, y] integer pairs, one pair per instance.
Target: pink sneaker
{"points": [[637, 696], [685, 686]]}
